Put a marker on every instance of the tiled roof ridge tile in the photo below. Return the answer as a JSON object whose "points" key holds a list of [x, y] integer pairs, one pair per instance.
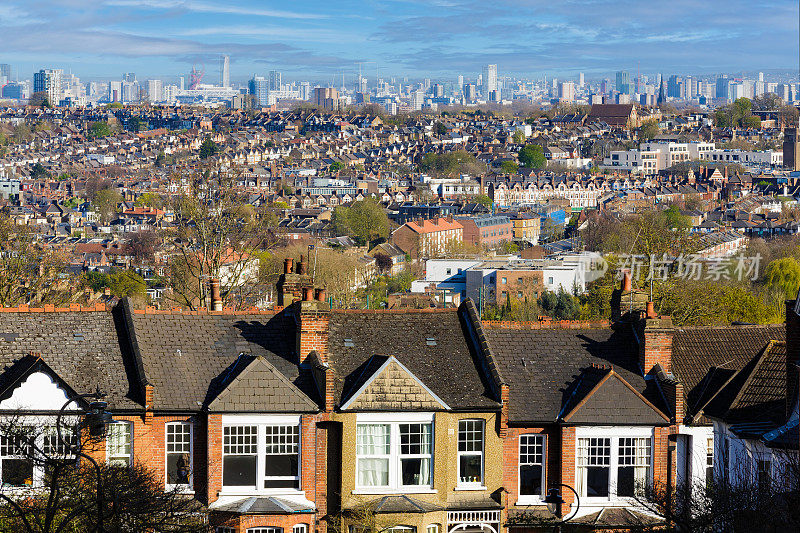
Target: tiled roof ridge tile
{"points": [[149, 310], [395, 311], [50, 308], [737, 327], [547, 324]]}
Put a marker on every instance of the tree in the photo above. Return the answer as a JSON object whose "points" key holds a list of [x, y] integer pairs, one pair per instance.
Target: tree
{"points": [[364, 220], [99, 129], [752, 122], [214, 238], [532, 156], [39, 99], [648, 130], [135, 124], [440, 129], [208, 148], [518, 137], [29, 273], [149, 199], [105, 203], [451, 164], [783, 275], [39, 172], [126, 283], [336, 166], [143, 245], [383, 262], [509, 167], [160, 159], [483, 200]]}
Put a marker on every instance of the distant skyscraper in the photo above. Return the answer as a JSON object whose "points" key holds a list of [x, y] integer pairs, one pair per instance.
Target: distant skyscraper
{"points": [[489, 79], [326, 98], [258, 86], [623, 82], [114, 91], [662, 94], [49, 81], [155, 90], [130, 77], [722, 87], [470, 92], [566, 91], [581, 81], [305, 91], [674, 87], [417, 99], [5, 71], [760, 76], [275, 81], [225, 71], [438, 90], [182, 82], [460, 82]]}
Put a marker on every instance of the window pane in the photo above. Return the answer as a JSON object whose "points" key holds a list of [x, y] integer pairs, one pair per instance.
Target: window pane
{"points": [[470, 435], [119, 439], [530, 480], [415, 439], [470, 469], [625, 481], [597, 481], [240, 440], [179, 438], [416, 471], [17, 472], [372, 439], [281, 465], [178, 468], [239, 470], [373, 472]]}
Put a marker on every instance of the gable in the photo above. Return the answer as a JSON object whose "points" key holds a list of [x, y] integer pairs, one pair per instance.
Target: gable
{"points": [[260, 387], [36, 392], [392, 387], [612, 401]]}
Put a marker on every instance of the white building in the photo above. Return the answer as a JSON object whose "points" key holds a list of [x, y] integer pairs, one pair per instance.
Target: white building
{"points": [[155, 90]]}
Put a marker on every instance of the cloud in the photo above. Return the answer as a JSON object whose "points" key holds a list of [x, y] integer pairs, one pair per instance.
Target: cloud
{"points": [[219, 8]]}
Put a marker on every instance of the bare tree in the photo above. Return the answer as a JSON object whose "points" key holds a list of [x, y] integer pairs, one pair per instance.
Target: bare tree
{"points": [[217, 235]]}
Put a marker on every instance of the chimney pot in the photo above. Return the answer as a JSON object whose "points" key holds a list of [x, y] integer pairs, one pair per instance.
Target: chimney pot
{"points": [[320, 294], [308, 294], [651, 310], [287, 265], [627, 284], [216, 300]]}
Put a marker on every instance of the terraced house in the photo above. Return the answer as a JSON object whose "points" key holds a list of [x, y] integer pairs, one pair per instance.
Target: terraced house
{"points": [[305, 418]]}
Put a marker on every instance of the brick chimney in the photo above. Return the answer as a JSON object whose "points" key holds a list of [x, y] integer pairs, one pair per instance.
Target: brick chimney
{"points": [[655, 341], [312, 316]]}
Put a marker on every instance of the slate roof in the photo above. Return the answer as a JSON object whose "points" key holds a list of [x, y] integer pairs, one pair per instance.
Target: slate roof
{"points": [[189, 359], [267, 505], [546, 368], [81, 347], [450, 368], [705, 358], [261, 387]]}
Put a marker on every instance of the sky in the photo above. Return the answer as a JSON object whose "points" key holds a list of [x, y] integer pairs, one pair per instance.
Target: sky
{"points": [[322, 39]]}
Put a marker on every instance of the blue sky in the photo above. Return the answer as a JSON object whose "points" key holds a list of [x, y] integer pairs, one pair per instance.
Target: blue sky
{"points": [[320, 40]]}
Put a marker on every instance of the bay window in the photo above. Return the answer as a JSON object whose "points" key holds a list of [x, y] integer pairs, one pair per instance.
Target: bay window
{"points": [[531, 466], [119, 444], [261, 454], [179, 454], [394, 455], [470, 452], [613, 466]]}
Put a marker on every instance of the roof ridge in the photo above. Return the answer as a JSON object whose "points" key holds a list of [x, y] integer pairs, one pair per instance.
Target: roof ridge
{"points": [[50, 308], [202, 311], [547, 324]]}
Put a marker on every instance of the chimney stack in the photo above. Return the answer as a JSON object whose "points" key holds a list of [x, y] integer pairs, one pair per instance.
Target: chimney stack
{"points": [[216, 300]]}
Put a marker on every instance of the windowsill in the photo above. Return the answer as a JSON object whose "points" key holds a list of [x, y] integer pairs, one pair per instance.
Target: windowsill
{"points": [[527, 501], [469, 487], [179, 489], [391, 490], [264, 492]]}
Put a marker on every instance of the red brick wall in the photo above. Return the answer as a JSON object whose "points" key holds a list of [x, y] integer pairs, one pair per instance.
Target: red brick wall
{"points": [[313, 333], [655, 344]]}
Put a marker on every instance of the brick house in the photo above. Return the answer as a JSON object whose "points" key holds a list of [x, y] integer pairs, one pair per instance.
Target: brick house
{"points": [[486, 230], [427, 238]]}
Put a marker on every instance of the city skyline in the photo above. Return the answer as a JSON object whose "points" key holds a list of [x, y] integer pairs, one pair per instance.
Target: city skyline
{"points": [[403, 37]]}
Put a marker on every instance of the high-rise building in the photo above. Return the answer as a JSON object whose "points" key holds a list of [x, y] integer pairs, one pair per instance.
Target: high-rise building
{"points": [[115, 91], [5, 72], [460, 82], [722, 87], [49, 81], [470, 92], [760, 76], [155, 90], [182, 83], [489, 79], [674, 87], [130, 77], [13, 91], [581, 81], [623, 82], [225, 71], [326, 98], [566, 91], [275, 81], [438, 90], [258, 86], [417, 99]]}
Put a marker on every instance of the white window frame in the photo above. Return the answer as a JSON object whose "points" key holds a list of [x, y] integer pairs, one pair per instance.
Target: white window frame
{"points": [[481, 453], [615, 434], [300, 528], [394, 421], [432, 528], [177, 423], [111, 456], [265, 529], [530, 499], [261, 422]]}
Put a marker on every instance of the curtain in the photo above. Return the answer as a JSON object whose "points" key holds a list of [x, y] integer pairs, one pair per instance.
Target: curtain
{"points": [[372, 440]]}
